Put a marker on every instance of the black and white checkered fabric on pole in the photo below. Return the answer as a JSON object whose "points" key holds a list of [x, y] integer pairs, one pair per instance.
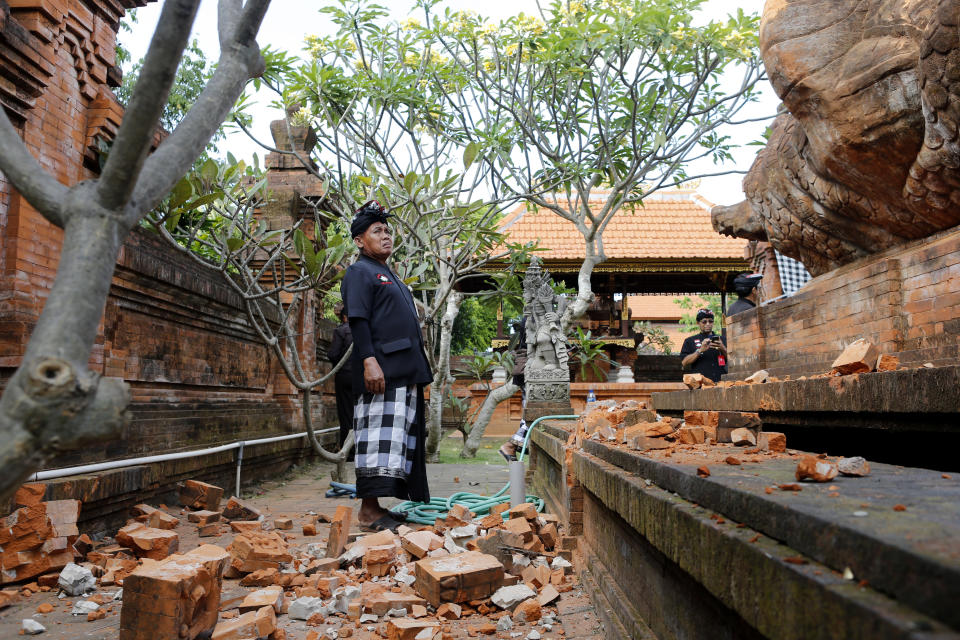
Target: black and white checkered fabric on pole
{"points": [[793, 274]]}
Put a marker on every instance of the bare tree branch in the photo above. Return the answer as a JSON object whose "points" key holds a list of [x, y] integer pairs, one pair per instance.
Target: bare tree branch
{"points": [[146, 104], [40, 189]]}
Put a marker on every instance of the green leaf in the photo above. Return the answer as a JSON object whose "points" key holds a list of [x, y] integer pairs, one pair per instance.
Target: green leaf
{"points": [[234, 243], [470, 154], [181, 193]]}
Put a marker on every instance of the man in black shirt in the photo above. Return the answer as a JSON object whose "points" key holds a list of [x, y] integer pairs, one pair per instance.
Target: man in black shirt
{"points": [[390, 369], [745, 285], [706, 352]]}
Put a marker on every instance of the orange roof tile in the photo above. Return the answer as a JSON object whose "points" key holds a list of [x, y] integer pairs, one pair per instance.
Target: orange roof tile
{"points": [[671, 224], [660, 307]]}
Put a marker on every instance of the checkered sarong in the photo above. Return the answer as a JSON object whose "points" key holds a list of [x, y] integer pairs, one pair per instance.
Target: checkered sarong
{"points": [[793, 274], [384, 429]]}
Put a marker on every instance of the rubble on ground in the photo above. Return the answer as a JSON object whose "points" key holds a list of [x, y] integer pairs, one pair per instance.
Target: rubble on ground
{"points": [[465, 574]]}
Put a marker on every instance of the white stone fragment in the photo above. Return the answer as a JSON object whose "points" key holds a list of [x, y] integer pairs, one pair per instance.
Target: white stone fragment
{"points": [[504, 623], [520, 560], [560, 563], [509, 597], [76, 580], [397, 613], [368, 617], [533, 635], [31, 627], [466, 531], [84, 607], [346, 595], [303, 608]]}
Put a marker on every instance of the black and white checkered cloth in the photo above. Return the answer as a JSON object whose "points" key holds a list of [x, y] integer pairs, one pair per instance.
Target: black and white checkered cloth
{"points": [[383, 428], [793, 275]]}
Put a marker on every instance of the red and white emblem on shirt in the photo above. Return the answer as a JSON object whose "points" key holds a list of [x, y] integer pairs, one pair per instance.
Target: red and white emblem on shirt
{"points": [[383, 279]]}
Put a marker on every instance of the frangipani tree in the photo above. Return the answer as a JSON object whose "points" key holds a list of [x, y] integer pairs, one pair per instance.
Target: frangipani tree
{"points": [[213, 215], [592, 106], [382, 132]]}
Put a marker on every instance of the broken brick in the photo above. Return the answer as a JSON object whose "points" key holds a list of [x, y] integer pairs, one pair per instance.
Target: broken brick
{"points": [[203, 517], [523, 510], [178, 597], [283, 524], [261, 578], [256, 550], [772, 441], [162, 520], [411, 629], [376, 599], [30, 494], [458, 578], [201, 495], [548, 594], [148, 542], [253, 624], [519, 526], [743, 437], [527, 611], [271, 596], [888, 362], [816, 469], [237, 509], [691, 435], [548, 534], [377, 560], [36, 539], [309, 529], [858, 357], [449, 610], [339, 531], [240, 526]]}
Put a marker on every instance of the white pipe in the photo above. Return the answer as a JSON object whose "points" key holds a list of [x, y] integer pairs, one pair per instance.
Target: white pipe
{"points": [[130, 462]]}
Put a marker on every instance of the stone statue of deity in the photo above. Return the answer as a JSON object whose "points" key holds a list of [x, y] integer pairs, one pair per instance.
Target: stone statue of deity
{"points": [[546, 344]]}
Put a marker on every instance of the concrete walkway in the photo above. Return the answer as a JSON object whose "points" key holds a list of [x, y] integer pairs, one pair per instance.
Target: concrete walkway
{"points": [[293, 496]]}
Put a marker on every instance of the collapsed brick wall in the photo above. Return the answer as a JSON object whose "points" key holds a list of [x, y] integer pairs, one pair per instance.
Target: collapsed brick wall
{"points": [[906, 301]]}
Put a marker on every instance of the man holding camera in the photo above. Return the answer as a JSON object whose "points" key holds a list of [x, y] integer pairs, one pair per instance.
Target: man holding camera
{"points": [[705, 353]]}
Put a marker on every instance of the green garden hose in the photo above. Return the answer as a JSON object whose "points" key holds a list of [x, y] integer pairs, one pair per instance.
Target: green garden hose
{"points": [[428, 512]]}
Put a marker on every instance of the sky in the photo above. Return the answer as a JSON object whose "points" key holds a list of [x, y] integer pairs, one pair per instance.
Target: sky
{"points": [[288, 22]]}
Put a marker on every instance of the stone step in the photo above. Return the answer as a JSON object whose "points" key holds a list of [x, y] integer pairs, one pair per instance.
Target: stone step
{"points": [[911, 556]]}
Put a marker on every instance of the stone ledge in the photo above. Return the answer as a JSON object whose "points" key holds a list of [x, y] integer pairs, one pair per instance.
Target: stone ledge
{"points": [[911, 556], [776, 598], [881, 394]]}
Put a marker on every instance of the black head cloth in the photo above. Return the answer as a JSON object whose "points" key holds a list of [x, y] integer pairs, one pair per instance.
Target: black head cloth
{"points": [[746, 281], [371, 211]]}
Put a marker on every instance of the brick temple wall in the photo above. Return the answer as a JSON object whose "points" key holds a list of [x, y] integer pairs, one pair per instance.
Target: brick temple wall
{"points": [[905, 300], [171, 328]]}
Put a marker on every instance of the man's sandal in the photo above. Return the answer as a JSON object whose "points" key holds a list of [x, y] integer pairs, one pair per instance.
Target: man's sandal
{"points": [[509, 457], [383, 523]]}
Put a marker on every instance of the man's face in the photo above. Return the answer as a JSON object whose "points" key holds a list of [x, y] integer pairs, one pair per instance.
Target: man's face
{"points": [[706, 325], [376, 241]]}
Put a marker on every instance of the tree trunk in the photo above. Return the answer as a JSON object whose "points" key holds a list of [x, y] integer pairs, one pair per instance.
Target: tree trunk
{"points": [[579, 306], [53, 401], [496, 396], [339, 458], [441, 377]]}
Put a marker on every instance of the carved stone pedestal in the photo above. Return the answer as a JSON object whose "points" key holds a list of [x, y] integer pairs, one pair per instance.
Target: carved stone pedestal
{"points": [[548, 393]]}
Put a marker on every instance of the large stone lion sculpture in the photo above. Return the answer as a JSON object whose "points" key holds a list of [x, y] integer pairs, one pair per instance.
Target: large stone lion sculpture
{"points": [[864, 154]]}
